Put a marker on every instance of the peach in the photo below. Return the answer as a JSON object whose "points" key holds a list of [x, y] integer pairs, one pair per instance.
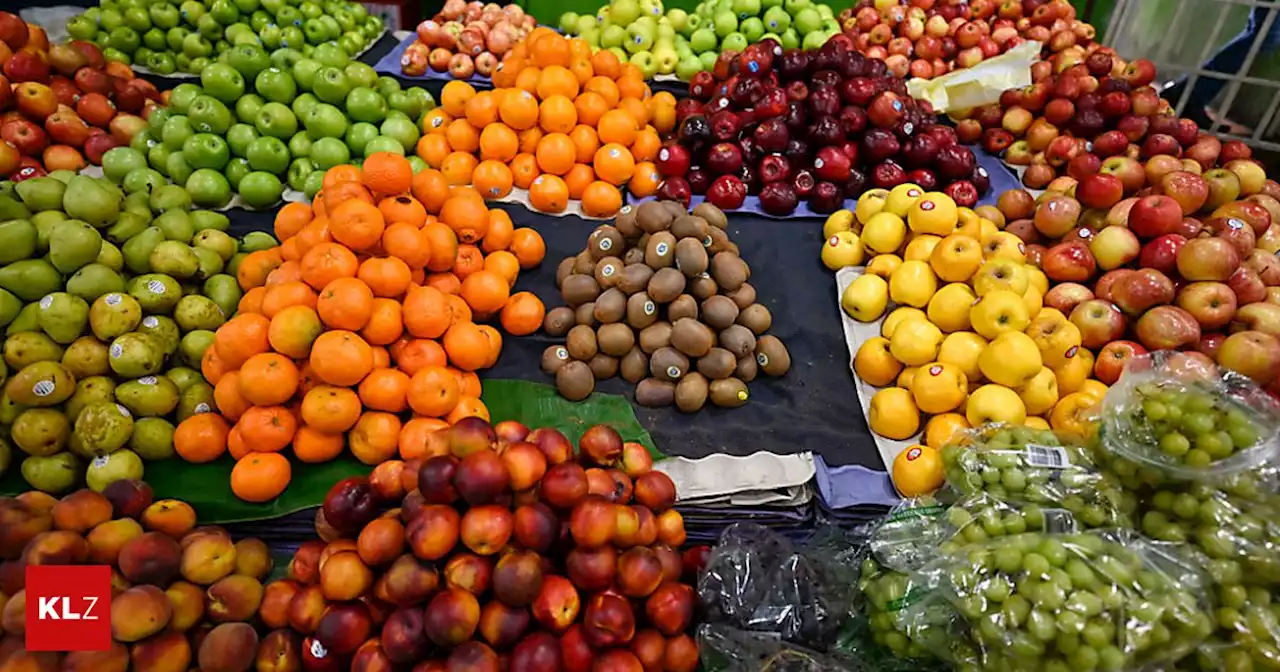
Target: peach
{"points": [[324, 530], [557, 605], [536, 526], [650, 647], [119, 584], [409, 581], [486, 529], [434, 533], [169, 516], [230, 647], [553, 444], [473, 657], [106, 540], [671, 528], [592, 522], [655, 490], [344, 627], [608, 621], [471, 435], [371, 658], [316, 658], [166, 652], [468, 572], [481, 477], [647, 532], [345, 577], [592, 569], [623, 487], [305, 565], [203, 532], [403, 638], [276, 597], [672, 563], [412, 506], [114, 659], [187, 601], [617, 660], [129, 497], [306, 608], [599, 482], [234, 598], [278, 652], [517, 578], [409, 475], [57, 547], [501, 626], [639, 572], [380, 542], [151, 557], [386, 480], [451, 617], [564, 485], [207, 559], [350, 504], [81, 511], [682, 654], [626, 526], [379, 610], [31, 661], [138, 613], [575, 651], [11, 644], [19, 524], [670, 608], [13, 575], [538, 652], [510, 432], [435, 479], [13, 616], [336, 546], [600, 445], [437, 444], [253, 558], [525, 464], [40, 501]]}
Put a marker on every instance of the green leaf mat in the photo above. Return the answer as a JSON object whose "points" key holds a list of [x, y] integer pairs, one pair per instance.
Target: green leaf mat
{"points": [[207, 486]]}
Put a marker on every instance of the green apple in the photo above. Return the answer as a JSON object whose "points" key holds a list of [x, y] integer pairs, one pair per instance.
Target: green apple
{"points": [[313, 183], [209, 28], [329, 152], [153, 39], [358, 135], [332, 28], [776, 19], [235, 171], [388, 85], [311, 10], [247, 107], [703, 39], [694, 22], [285, 57], [746, 8], [276, 85], [208, 188], [120, 161], [665, 60], [813, 40], [361, 74], [158, 158], [651, 8], [331, 54], [138, 19], [302, 105], [586, 22], [825, 11], [260, 189], [270, 35], [191, 11], [269, 154], [239, 136], [237, 29], [81, 27], [364, 104], [639, 38], [417, 164], [197, 65], [678, 18], [422, 102], [331, 86], [144, 179], [401, 101], [687, 67], [291, 37], [299, 169], [174, 36], [195, 44], [621, 55], [300, 144], [176, 131], [402, 130], [344, 19], [591, 36], [766, 4], [734, 42], [624, 12], [645, 61], [613, 36], [352, 43], [569, 22], [304, 73], [259, 20], [325, 121], [724, 23], [708, 59], [289, 16], [114, 55], [209, 115], [790, 39], [830, 27], [126, 39], [752, 28], [177, 168], [112, 19], [206, 150], [276, 120], [222, 82], [248, 60], [383, 144], [224, 12], [314, 31], [162, 63], [143, 141], [665, 33], [793, 7]]}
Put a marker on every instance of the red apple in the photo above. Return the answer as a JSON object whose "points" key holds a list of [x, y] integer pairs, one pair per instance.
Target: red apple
{"points": [[1251, 353], [1213, 304], [1263, 317], [1154, 216], [1128, 170], [35, 100], [28, 138], [1247, 285], [1069, 262], [1099, 322], [1099, 191], [10, 159], [1102, 288], [1113, 358], [1168, 328], [1137, 292], [1066, 296], [1114, 246], [1207, 259]]}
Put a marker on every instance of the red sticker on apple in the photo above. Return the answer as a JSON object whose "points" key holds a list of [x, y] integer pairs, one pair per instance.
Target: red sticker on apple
{"points": [[835, 241], [935, 370], [914, 453], [927, 206], [1071, 351]]}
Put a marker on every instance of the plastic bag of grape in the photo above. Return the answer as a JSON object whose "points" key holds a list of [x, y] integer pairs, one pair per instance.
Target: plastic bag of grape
{"points": [[1103, 599], [1035, 466], [1187, 420]]}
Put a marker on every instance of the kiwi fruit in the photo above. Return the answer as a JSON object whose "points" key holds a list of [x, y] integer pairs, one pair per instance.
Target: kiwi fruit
{"points": [[772, 356], [655, 337], [581, 343], [653, 217], [684, 306], [564, 270], [717, 363], [747, 369], [608, 272], [690, 226], [559, 321], [584, 264], [579, 289], [756, 317], [703, 287], [586, 314], [635, 365], [676, 209], [635, 277], [713, 215], [615, 339], [729, 271], [660, 252], [666, 285], [728, 392], [718, 312], [691, 393], [634, 255], [625, 222], [736, 339], [603, 367], [691, 257], [692, 337], [574, 380], [641, 310], [605, 241], [668, 364], [611, 306], [655, 393], [553, 358], [717, 241], [744, 295]]}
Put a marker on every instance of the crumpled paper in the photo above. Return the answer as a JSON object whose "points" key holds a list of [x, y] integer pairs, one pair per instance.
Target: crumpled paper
{"points": [[980, 85]]}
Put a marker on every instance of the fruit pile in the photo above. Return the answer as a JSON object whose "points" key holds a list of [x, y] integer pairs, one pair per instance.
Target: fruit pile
{"points": [[465, 39], [673, 283], [665, 42], [364, 328], [564, 124], [169, 37], [110, 301], [180, 593], [925, 40], [64, 106], [579, 571], [813, 126], [256, 123]]}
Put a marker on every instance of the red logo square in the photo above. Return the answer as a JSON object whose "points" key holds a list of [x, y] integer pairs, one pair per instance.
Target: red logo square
{"points": [[68, 608]]}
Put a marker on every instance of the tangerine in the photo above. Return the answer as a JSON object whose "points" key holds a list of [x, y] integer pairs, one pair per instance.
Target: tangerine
{"points": [[260, 477], [617, 126], [557, 114], [386, 276], [331, 409], [385, 324], [432, 148], [601, 199], [498, 143], [426, 312], [313, 446], [386, 173], [528, 247], [454, 97], [523, 314], [357, 224], [614, 164], [407, 243], [345, 303], [293, 330], [341, 357], [201, 438], [524, 170], [385, 389], [549, 193], [493, 179], [268, 379], [481, 110], [433, 391], [556, 154], [403, 208], [519, 110], [468, 347]]}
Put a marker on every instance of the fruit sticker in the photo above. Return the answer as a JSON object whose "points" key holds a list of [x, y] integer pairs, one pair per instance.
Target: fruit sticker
{"points": [[935, 370], [661, 249], [927, 206], [606, 244], [1049, 457], [113, 299], [673, 372], [608, 269], [762, 359], [834, 241], [43, 388], [650, 308], [156, 287], [562, 354], [148, 380], [46, 302], [1071, 352]]}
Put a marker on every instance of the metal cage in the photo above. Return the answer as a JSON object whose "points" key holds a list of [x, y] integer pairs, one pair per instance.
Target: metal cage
{"points": [[1182, 36]]}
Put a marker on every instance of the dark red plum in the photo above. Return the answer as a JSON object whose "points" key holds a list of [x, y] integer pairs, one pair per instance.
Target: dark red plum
{"points": [[699, 179], [888, 175], [778, 198], [826, 197]]}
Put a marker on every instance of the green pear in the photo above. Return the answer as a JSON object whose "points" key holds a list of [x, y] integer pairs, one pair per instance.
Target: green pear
{"points": [[86, 357], [102, 428], [210, 263], [170, 197], [211, 239], [94, 280], [63, 176], [257, 240], [93, 200], [225, 291], [176, 225], [113, 315], [30, 279], [205, 220], [163, 330], [18, 240], [107, 469], [42, 193], [134, 355], [63, 316], [148, 396], [182, 376], [198, 312], [45, 223], [175, 259], [12, 208], [73, 244], [110, 256], [41, 432], [10, 307], [152, 439], [41, 384], [90, 390], [128, 225], [193, 345], [28, 319], [195, 400], [27, 348], [55, 474], [156, 292], [6, 456], [137, 250]]}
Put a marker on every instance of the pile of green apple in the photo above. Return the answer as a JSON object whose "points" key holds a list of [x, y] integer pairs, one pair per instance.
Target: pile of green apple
{"points": [[168, 36], [109, 295], [256, 123], [665, 42]]}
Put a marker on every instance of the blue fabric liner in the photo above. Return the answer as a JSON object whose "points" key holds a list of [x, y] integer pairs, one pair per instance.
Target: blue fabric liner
{"points": [[851, 485]]}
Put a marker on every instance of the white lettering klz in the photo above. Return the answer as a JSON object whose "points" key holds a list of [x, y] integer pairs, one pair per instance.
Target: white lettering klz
{"points": [[59, 609]]}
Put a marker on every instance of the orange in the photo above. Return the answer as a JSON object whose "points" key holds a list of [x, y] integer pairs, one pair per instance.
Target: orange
{"points": [[614, 164], [201, 437], [557, 114], [590, 106], [470, 259], [340, 173], [251, 302], [605, 63], [605, 88], [940, 429], [226, 395], [523, 314], [482, 109], [493, 179], [468, 346], [557, 80], [211, 365], [267, 429], [645, 180], [498, 237], [280, 296], [313, 234], [431, 188], [494, 338], [617, 126], [286, 272], [433, 391], [327, 262], [386, 276], [528, 247], [256, 266], [485, 291], [435, 121], [462, 136], [551, 49], [917, 471], [449, 282], [577, 180], [505, 264], [406, 243], [291, 218], [580, 66], [331, 409], [341, 358], [467, 216], [601, 199], [633, 86], [504, 76], [646, 145], [454, 97], [459, 311], [313, 446], [293, 330], [260, 477], [357, 224], [458, 167], [468, 382], [385, 390], [556, 154], [240, 338], [637, 109], [549, 193], [498, 143], [443, 243], [527, 79], [432, 149], [386, 173], [524, 170], [519, 110], [468, 407], [426, 313], [345, 303], [662, 112], [529, 139], [268, 379], [403, 208], [342, 192], [374, 438], [585, 143], [411, 354], [386, 323]]}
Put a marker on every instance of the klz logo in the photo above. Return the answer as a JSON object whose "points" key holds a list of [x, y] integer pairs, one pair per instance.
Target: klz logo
{"points": [[68, 608]]}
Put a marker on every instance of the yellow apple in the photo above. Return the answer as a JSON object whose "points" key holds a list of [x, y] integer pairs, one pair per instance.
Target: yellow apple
{"points": [[1036, 422], [994, 403], [963, 349], [942, 428], [1004, 245], [977, 227], [1073, 374], [883, 265], [1057, 338], [1036, 278], [840, 220], [1034, 300], [921, 247], [915, 342], [1001, 274], [998, 312], [842, 249], [939, 387], [956, 258], [934, 212], [893, 415], [912, 284], [1011, 359], [904, 378], [870, 203], [884, 233], [1094, 388], [873, 363], [1073, 414], [898, 316], [1040, 393], [901, 198], [949, 307], [865, 298]]}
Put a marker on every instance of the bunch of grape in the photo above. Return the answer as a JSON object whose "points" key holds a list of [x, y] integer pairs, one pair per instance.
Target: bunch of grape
{"points": [[1248, 636], [908, 620], [1241, 537], [1084, 601], [1183, 424]]}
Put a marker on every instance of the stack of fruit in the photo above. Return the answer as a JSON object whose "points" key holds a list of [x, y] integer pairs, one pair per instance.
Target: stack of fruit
{"points": [[919, 39], [673, 283], [255, 123], [465, 39], [502, 540], [564, 124], [122, 294], [817, 127], [64, 104], [168, 37], [665, 42], [362, 315], [177, 590]]}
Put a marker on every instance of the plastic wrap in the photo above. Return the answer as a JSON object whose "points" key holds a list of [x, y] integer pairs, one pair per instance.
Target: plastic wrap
{"points": [[1106, 600], [1036, 466], [910, 626], [1241, 537], [1184, 420], [726, 649], [1248, 636]]}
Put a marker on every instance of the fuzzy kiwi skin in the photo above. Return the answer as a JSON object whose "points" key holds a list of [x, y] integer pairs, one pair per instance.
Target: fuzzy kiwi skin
{"points": [[579, 289], [713, 215], [575, 381], [603, 366], [605, 241], [729, 393], [554, 357], [655, 393], [581, 343], [668, 364], [615, 340], [655, 337], [718, 312], [691, 393], [772, 356], [755, 317], [635, 365], [559, 321]]}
